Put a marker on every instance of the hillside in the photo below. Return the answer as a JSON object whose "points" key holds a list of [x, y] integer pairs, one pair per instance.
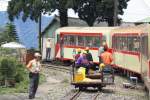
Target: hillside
{"points": [[27, 31]]}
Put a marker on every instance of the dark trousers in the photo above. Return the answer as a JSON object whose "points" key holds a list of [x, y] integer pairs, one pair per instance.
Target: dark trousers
{"points": [[48, 53], [34, 81], [87, 67], [100, 60]]}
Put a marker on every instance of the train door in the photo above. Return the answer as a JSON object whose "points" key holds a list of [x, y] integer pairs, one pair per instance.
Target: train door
{"points": [[61, 46], [144, 56], [132, 54]]}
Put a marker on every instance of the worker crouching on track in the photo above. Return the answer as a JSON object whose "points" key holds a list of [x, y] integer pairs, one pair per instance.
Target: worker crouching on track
{"points": [[34, 68], [82, 61]]}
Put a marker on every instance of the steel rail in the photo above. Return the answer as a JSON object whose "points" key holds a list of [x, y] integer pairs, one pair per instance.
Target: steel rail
{"points": [[74, 97], [95, 97]]}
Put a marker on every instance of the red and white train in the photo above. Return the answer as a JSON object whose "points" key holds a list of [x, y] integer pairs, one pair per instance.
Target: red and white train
{"points": [[129, 46]]}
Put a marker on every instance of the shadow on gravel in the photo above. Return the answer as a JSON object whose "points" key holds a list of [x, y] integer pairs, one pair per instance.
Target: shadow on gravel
{"points": [[107, 91]]}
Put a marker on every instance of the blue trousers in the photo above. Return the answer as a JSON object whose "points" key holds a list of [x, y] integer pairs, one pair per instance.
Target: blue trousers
{"points": [[34, 81], [48, 53]]}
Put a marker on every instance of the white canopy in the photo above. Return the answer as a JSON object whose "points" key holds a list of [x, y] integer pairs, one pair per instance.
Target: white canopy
{"points": [[13, 45]]}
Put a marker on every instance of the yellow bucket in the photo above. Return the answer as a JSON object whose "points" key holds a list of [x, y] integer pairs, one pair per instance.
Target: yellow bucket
{"points": [[80, 75]]}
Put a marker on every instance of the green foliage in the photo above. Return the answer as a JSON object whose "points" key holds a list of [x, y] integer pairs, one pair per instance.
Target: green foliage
{"points": [[21, 87], [33, 8], [9, 34], [7, 52], [12, 70], [29, 8], [86, 11], [101, 10]]}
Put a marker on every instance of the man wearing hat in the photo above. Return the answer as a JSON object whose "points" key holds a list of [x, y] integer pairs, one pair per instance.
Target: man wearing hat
{"points": [[89, 55], [48, 48], [34, 68]]}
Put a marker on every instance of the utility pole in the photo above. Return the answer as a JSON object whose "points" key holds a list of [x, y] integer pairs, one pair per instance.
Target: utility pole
{"points": [[40, 32], [115, 12]]}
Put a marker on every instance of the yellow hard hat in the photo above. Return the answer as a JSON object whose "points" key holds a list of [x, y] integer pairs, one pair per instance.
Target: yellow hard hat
{"points": [[102, 65], [84, 52], [78, 50]]}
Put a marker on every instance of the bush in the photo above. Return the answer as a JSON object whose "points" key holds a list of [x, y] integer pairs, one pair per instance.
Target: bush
{"points": [[20, 72], [11, 71]]}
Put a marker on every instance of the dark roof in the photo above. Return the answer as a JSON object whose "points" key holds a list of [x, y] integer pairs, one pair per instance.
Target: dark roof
{"points": [[71, 22]]}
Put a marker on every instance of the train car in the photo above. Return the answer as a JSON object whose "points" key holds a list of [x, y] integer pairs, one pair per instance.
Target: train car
{"points": [[70, 38], [131, 50]]}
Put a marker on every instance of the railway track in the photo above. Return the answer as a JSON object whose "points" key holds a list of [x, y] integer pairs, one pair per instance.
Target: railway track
{"points": [[81, 95], [58, 68], [76, 95], [96, 95]]}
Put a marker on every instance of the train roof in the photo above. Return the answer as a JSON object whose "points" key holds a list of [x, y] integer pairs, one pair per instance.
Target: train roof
{"points": [[140, 29], [85, 29]]}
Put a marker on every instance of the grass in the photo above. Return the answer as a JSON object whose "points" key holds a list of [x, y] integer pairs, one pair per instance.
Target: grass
{"points": [[21, 87]]}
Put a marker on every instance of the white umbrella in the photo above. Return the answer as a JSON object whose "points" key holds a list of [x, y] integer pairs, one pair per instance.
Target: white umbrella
{"points": [[13, 45]]}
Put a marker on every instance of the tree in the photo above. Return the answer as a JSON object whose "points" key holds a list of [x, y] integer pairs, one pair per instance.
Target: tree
{"points": [[86, 11], [34, 8], [9, 34], [100, 10]]}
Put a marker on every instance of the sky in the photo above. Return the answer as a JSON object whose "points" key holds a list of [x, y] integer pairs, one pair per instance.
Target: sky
{"points": [[136, 10]]}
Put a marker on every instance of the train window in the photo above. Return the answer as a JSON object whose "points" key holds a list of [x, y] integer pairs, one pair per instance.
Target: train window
{"points": [[119, 41], [114, 44], [65, 40], [133, 44], [72, 40], [96, 41], [69, 40], [92, 41], [145, 46], [136, 44], [126, 43], [130, 43], [88, 41], [103, 39], [81, 40]]}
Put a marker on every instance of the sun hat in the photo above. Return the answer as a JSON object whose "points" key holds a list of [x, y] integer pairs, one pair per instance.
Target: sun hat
{"points": [[37, 54]]}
